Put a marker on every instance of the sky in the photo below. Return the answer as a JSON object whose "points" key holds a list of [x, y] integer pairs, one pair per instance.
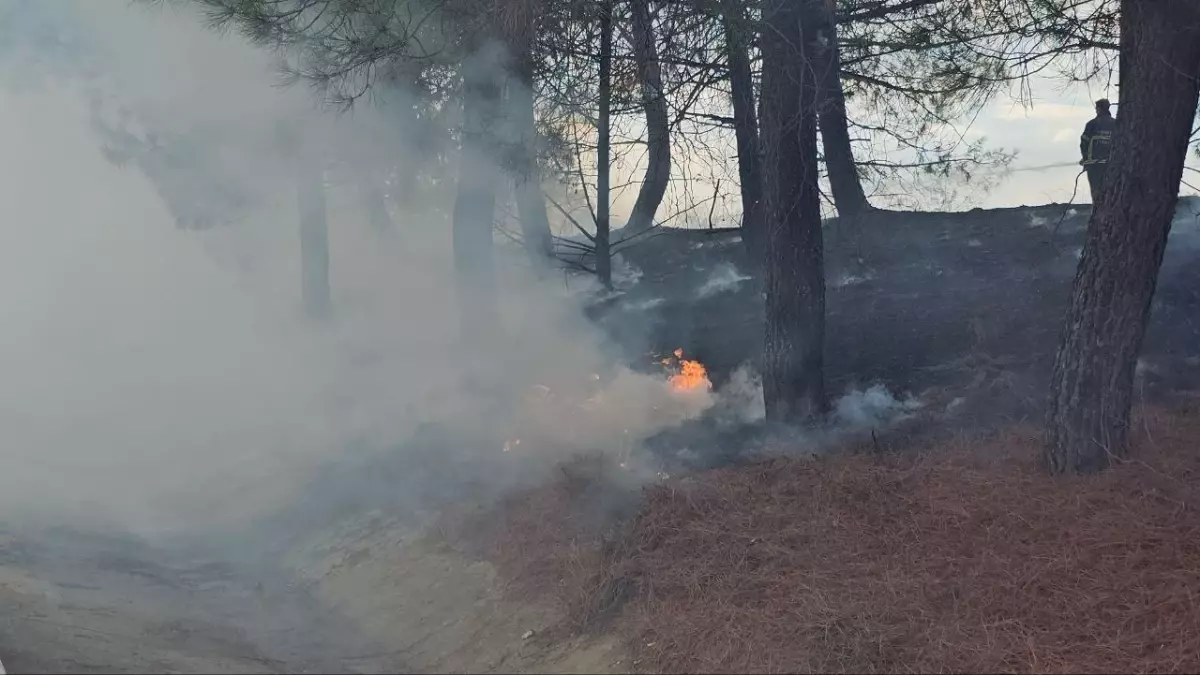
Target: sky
{"points": [[1042, 127], [1043, 133]]}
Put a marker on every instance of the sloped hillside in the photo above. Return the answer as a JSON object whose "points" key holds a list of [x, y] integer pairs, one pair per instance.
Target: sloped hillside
{"points": [[910, 296]]}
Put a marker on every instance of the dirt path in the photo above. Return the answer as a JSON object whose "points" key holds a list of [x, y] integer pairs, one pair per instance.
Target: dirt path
{"points": [[70, 602], [442, 612], [362, 601]]}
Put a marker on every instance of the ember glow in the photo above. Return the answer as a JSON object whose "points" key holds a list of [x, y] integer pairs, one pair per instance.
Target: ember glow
{"points": [[692, 375]]}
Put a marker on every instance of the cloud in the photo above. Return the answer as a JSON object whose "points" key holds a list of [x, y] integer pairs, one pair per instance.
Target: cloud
{"points": [[1044, 111]]}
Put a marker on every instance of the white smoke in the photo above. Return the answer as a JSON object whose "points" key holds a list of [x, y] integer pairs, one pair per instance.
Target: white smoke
{"points": [[725, 278], [873, 407], [157, 379]]}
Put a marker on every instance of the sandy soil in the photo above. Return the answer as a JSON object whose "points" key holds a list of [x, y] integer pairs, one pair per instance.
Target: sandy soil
{"points": [[365, 601], [72, 602], [440, 611]]}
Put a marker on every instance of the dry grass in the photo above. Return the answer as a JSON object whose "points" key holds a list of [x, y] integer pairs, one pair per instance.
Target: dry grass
{"points": [[960, 558], [955, 560], [557, 542]]}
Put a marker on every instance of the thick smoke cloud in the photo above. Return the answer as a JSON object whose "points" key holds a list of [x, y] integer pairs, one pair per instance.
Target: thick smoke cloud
{"points": [[157, 378], [160, 374]]}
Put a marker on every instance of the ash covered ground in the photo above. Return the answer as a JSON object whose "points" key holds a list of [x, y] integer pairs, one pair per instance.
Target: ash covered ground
{"points": [[916, 302]]}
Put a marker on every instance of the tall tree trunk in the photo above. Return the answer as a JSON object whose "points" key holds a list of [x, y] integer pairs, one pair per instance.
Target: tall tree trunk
{"points": [[1091, 389], [375, 202], [314, 240], [475, 201], [794, 341], [844, 182], [517, 21], [745, 124], [658, 138], [531, 203], [603, 149]]}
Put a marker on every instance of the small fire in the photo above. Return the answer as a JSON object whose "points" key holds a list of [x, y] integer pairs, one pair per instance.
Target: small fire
{"points": [[692, 375]]}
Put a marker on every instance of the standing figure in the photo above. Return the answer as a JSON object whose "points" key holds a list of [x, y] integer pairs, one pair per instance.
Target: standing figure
{"points": [[1095, 144]]}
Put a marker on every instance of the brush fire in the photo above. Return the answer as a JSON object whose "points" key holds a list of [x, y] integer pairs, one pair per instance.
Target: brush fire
{"points": [[614, 412], [691, 375]]}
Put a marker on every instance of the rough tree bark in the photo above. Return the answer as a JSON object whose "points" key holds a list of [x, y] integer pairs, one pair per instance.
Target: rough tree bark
{"points": [[794, 340], [654, 101], [314, 240], [1091, 388], [603, 148], [745, 123], [475, 199], [519, 23], [531, 203], [844, 181]]}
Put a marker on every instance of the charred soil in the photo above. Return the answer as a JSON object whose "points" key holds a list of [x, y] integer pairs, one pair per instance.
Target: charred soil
{"points": [[916, 301]]}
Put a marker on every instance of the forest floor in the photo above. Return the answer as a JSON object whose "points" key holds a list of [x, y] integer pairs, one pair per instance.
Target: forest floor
{"points": [[369, 600], [935, 544], [940, 556]]}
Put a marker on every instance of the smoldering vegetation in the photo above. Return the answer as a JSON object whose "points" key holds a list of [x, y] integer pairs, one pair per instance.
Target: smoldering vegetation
{"points": [[159, 378], [166, 391], [232, 325], [175, 419], [160, 373]]}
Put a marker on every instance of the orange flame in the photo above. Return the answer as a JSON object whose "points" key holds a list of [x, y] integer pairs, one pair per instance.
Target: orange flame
{"points": [[692, 375]]}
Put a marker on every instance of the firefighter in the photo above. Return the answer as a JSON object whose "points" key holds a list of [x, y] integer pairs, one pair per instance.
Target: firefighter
{"points": [[1095, 144]]}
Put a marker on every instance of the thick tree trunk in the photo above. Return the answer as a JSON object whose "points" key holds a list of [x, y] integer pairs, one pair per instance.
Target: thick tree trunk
{"points": [[654, 101], [314, 241], [603, 149], [844, 182], [517, 21], [531, 203], [475, 201], [745, 122], [375, 203], [1092, 383], [794, 341]]}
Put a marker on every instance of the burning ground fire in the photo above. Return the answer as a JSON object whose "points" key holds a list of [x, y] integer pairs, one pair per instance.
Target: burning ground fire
{"points": [[692, 375], [614, 414]]}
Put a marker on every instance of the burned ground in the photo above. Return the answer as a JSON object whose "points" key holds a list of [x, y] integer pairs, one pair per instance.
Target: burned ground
{"points": [[910, 297]]}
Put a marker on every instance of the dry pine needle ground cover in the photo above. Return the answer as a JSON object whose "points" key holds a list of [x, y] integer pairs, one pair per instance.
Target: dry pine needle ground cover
{"points": [[957, 558]]}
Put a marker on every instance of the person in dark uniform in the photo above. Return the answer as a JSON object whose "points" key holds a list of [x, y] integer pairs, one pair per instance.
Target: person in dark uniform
{"points": [[1095, 145]]}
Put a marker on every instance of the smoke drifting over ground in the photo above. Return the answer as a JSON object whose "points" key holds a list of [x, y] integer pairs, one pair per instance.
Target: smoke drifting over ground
{"points": [[157, 378]]}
